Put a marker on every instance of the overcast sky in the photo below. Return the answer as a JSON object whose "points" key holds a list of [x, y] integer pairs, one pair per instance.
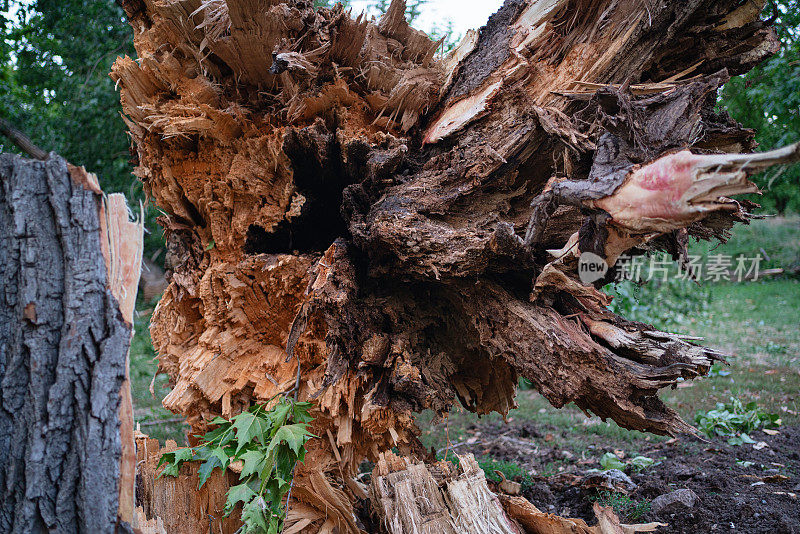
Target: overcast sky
{"points": [[464, 14]]}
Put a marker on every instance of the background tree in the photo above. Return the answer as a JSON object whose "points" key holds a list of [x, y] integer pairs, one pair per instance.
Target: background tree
{"points": [[54, 63], [767, 99]]}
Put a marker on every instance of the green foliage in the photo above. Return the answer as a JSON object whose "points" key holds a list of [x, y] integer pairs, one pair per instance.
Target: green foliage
{"points": [[768, 100], [718, 369], [413, 8], [447, 35], [776, 239], [269, 443], [329, 3], [443, 31], [664, 304], [610, 461], [55, 57], [735, 421], [524, 384], [379, 7], [623, 506], [639, 463]]}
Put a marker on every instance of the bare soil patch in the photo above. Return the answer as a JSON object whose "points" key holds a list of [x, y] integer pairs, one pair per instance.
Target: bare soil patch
{"points": [[739, 489]]}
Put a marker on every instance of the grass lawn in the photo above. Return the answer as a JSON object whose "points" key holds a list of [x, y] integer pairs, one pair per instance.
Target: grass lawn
{"points": [[153, 418], [758, 323]]}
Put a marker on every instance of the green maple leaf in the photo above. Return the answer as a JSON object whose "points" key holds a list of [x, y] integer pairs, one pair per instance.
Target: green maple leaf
{"points": [[253, 514], [170, 471], [301, 456], [205, 471], [203, 452], [223, 434], [240, 493], [253, 462], [216, 458], [283, 485], [274, 525], [249, 427], [174, 459], [300, 412], [184, 455], [294, 435], [166, 457], [269, 465], [272, 494], [284, 460], [269, 448], [223, 457], [280, 414]]}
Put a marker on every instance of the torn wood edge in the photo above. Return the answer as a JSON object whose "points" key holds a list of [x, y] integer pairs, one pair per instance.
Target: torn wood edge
{"points": [[122, 243], [414, 498]]}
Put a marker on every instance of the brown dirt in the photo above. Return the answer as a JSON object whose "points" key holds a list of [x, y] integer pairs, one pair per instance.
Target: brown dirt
{"points": [[731, 499]]}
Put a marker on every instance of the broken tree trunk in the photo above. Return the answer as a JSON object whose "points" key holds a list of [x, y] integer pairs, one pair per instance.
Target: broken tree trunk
{"points": [[405, 228], [68, 275]]}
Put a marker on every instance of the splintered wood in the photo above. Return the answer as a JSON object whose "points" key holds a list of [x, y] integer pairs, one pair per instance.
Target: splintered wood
{"points": [[411, 499], [406, 228], [536, 522], [414, 498], [122, 243]]}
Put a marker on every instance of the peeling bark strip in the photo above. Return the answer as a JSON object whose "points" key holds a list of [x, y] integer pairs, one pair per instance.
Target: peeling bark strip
{"points": [[424, 217], [63, 350]]}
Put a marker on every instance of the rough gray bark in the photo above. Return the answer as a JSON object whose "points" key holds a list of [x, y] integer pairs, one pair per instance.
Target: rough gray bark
{"points": [[63, 347]]}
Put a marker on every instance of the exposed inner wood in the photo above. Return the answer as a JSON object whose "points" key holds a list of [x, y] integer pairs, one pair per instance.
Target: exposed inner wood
{"points": [[122, 246], [388, 219], [457, 499]]}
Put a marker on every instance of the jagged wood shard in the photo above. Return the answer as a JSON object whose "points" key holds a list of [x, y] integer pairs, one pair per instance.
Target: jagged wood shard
{"points": [[392, 220]]}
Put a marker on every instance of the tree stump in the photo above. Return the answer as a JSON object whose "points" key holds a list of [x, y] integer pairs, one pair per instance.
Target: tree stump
{"points": [[68, 283]]}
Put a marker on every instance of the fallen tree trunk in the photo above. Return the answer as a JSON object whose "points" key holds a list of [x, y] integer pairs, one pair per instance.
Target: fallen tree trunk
{"points": [[406, 229], [68, 280]]}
